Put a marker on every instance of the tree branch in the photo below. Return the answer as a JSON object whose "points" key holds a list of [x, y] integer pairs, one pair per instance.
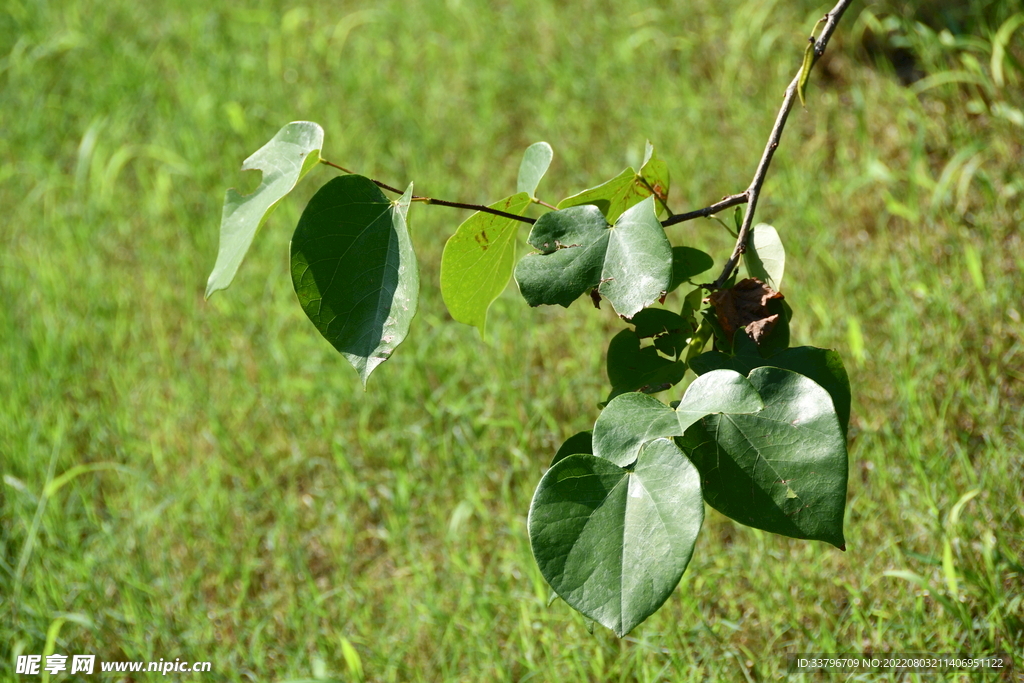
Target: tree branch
{"points": [[731, 200], [754, 191], [440, 202]]}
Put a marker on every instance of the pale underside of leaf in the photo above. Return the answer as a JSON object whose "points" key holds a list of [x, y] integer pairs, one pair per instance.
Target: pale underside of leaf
{"points": [[765, 256], [535, 164], [289, 155]]}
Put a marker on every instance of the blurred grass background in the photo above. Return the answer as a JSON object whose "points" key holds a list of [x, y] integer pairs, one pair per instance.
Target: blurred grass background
{"points": [[208, 480]]}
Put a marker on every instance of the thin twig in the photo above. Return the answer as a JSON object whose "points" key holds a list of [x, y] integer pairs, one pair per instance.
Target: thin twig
{"points": [[440, 202], [731, 200], [754, 191]]}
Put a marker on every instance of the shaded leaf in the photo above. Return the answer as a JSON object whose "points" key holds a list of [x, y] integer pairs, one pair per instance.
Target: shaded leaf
{"points": [[354, 269], [669, 331], [631, 420], [687, 263], [478, 259], [580, 442], [631, 368], [535, 164], [783, 469], [289, 155], [765, 257], [630, 263], [613, 543]]}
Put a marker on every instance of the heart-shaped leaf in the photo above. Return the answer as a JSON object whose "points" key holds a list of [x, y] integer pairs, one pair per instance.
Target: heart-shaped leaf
{"points": [[782, 469], [627, 189], [630, 263], [533, 167], [824, 366], [284, 161], [354, 269], [631, 420], [478, 259], [613, 542]]}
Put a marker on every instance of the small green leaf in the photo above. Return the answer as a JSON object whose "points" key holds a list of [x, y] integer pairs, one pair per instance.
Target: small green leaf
{"points": [[765, 257], [533, 167], [631, 368], [805, 72], [688, 263], [627, 189], [354, 269], [749, 463], [630, 263], [284, 161], [823, 366], [478, 260], [632, 419], [613, 543]]}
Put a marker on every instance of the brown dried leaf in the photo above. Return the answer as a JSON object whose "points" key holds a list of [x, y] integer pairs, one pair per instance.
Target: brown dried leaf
{"points": [[746, 305]]}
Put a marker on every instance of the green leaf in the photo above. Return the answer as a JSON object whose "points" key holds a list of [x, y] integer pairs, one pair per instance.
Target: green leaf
{"points": [[688, 262], [630, 420], [668, 330], [581, 442], [478, 260], [823, 366], [354, 269], [765, 257], [631, 368], [284, 161], [783, 469], [630, 263], [627, 189], [533, 167], [613, 543]]}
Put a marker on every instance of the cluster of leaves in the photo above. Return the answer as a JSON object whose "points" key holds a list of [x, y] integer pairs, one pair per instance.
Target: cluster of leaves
{"points": [[759, 434]]}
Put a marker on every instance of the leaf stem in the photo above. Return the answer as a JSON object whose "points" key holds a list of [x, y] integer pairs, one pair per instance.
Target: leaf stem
{"points": [[439, 202], [754, 191]]}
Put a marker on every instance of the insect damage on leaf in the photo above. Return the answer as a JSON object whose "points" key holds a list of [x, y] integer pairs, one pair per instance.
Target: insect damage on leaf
{"points": [[746, 305]]}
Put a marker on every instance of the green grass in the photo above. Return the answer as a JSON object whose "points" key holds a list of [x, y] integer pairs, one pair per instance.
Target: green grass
{"points": [[209, 481]]}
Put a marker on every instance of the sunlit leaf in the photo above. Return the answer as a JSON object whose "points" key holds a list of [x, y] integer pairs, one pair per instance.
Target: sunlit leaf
{"points": [[284, 161], [765, 257], [782, 469], [627, 189], [630, 263], [613, 543], [478, 260], [354, 269], [824, 366], [632, 419]]}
